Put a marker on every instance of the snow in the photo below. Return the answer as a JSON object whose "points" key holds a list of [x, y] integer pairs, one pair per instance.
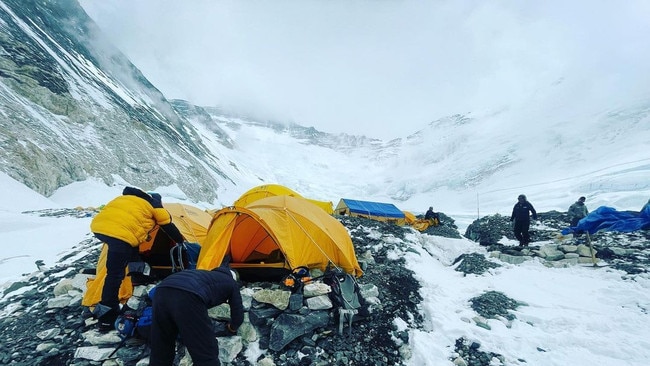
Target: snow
{"points": [[574, 316]]}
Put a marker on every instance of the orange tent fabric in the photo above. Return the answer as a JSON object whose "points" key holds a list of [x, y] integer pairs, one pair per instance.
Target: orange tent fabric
{"points": [[278, 232]]}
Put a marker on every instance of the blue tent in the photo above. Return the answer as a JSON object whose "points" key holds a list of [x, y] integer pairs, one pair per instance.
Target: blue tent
{"points": [[372, 210], [608, 219]]}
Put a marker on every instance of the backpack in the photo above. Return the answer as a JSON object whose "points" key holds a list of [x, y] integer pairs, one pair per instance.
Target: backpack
{"points": [[143, 326], [345, 290], [184, 256], [135, 324]]}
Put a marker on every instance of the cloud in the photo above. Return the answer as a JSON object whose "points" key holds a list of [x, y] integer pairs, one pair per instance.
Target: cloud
{"points": [[382, 68]]}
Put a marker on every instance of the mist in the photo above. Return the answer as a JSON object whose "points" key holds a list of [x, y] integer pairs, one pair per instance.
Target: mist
{"points": [[385, 68]]}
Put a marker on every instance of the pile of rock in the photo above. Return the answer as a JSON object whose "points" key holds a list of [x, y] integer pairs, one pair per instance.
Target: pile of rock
{"points": [[629, 252]]}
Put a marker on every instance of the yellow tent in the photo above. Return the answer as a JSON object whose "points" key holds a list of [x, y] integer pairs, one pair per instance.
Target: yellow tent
{"points": [[270, 190], [193, 224], [275, 234]]}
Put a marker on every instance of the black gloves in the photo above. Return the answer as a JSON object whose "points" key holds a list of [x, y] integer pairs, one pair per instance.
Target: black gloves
{"points": [[173, 232]]}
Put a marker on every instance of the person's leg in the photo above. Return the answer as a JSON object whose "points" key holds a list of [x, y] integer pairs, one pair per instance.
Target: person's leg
{"points": [[525, 234], [163, 329], [574, 223], [116, 261], [197, 332], [517, 230], [118, 255]]}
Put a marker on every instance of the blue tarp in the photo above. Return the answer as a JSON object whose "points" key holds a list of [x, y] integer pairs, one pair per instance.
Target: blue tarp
{"points": [[608, 219], [373, 208]]}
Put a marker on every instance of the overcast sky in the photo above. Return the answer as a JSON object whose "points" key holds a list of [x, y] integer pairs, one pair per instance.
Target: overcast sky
{"points": [[382, 68]]}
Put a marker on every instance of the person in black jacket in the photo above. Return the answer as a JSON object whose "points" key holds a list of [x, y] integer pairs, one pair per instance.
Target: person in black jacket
{"points": [[521, 217], [433, 216], [180, 307]]}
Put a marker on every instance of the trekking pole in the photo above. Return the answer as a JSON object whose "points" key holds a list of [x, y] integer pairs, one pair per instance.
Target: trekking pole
{"points": [[122, 343]]}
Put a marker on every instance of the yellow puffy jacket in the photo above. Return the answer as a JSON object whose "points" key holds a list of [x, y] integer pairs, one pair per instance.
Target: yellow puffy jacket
{"points": [[129, 218]]}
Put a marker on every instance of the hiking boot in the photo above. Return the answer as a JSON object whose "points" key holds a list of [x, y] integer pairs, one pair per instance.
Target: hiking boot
{"points": [[105, 316], [104, 327]]}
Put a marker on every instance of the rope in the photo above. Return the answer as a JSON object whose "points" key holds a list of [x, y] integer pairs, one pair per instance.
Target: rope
{"points": [[312, 239]]}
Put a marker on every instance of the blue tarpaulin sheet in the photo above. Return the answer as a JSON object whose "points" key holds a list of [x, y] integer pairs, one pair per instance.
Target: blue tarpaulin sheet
{"points": [[609, 219], [373, 208]]}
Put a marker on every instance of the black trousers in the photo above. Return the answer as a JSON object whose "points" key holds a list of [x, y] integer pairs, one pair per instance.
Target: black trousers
{"points": [[574, 223], [521, 231], [118, 256], [177, 312]]}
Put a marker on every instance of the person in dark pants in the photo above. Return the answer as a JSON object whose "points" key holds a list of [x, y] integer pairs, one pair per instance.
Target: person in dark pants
{"points": [[122, 225], [577, 212], [521, 217], [180, 307]]}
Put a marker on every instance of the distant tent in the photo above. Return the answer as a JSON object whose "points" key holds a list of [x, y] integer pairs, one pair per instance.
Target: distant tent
{"points": [[386, 212], [274, 235], [193, 224], [270, 190]]}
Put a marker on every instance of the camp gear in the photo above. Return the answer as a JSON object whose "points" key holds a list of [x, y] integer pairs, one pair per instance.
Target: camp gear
{"points": [[297, 278], [272, 236], [138, 267], [385, 212], [184, 256], [346, 315], [140, 273], [125, 324], [409, 218], [133, 323], [423, 224], [345, 296], [610, 219]]}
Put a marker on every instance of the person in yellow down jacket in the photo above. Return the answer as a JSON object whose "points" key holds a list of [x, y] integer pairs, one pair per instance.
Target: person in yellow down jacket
{"points": [[122, 225]]}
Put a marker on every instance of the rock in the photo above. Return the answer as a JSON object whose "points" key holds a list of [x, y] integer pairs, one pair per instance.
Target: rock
{"points": [[229, 348], [277, 298], [288, 327], [296, 301], [48, 334], [220, 312], [316, 289], [474, 263], [322, 302], [93, 353]]}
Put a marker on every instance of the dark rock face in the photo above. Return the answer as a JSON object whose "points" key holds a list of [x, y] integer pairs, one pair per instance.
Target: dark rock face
{"points": [[446, 228], [474, 263], [52, 57], [629, 252], [489, 230], [493, 303], [472, 355], [288, 327]]}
